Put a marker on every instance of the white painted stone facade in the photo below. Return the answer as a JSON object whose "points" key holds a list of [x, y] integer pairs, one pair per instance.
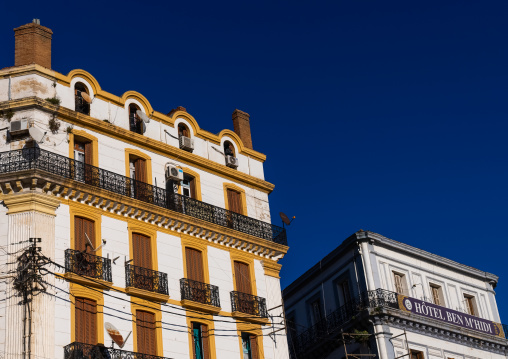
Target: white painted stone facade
{"points": [[53, 311], [369, 262]]}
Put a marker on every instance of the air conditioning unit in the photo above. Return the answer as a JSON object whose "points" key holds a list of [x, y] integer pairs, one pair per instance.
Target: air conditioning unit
{"points": [[174, 173], [19, 127], [186, 143], [231, 161]]}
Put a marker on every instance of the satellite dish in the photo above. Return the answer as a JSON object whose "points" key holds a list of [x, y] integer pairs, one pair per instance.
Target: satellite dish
{"points": [[115, 334], [36, 134], [285, 218], [142, 116], [86, 97]]}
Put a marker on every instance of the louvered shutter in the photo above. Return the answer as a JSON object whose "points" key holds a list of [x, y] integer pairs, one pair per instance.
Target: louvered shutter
{"points": [[145, 328], [254, 347], [88, 153], [234, 201], [194, 264], [86, 320], [82, 226], [142, 251], [205, 341], [242, 277], [140, 168], [192, 185]]}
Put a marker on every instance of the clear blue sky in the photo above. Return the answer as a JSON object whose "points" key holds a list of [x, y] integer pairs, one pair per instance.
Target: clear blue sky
{"points": [[388, 116]]}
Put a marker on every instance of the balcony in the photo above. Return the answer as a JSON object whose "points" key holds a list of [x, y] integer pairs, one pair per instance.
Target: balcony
{"points": [[200, 296], [146, 283], [80, 264], [38, 159], [249, 307], [88, 351]]}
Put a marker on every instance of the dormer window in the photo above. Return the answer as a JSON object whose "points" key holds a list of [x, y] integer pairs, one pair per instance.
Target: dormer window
{"points": [[229, 153], [184, 139], [82, 99], [135, 123]]}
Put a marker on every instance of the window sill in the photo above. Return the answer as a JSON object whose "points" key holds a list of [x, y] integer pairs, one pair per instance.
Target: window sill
{"points": [[92, 282], [207, 308], [146, 294], [250, 318]]}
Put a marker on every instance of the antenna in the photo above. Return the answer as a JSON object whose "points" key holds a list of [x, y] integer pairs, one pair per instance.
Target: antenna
{"points": [[36, 134], [91, 245], [142, 116], [115, 335], [285, 219]]}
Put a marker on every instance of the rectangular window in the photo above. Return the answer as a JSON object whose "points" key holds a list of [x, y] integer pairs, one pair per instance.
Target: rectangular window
{"points": [[316, 313], [138, 172], [470, 304], [250, 346], [437, 294], [85, 320], [188, 186], [145, 332], [200, 341], [400, 283], [234, 201], [84, 233], [416, 354], [194, 262], [344, 294], [142, 251], [242, 278]]}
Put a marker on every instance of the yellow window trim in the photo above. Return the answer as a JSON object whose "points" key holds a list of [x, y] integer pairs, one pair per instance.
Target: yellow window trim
{"points": [[147, 306], [137, 153], [197, 182], [240, 257], [87, 214], [207, 320], [236, 188], [134, 227], [89, 137], [254, 330], [194, 243], [77, 290]]}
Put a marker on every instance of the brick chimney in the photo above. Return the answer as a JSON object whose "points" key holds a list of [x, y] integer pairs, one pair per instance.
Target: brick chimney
{"points": [[241, 125], [33, 45]]}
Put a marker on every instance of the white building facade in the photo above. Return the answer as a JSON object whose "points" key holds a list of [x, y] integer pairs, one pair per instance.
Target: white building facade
{"points": [[147, 221], [402, 301]]}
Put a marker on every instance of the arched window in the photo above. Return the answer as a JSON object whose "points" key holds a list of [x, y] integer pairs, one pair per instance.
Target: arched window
{"points": [[230, 156], [184, 138], [136, 124], [183, 130], [82, 99]]}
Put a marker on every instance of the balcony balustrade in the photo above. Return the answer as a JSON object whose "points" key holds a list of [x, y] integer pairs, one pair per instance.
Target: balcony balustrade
{"points": [[248, 304], [199, 292], [36, 158], [146, 279], [86, 264], [88, 351]]}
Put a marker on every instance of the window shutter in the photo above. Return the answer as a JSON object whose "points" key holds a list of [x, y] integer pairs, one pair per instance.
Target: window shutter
{"points": [[254, 347], [205, 341], [194, 265], [192, 184], [82, 226], [142, 251], [86, 321], [88, 153], [145, 328], [242, 276], [140, 169], [234, 201]]}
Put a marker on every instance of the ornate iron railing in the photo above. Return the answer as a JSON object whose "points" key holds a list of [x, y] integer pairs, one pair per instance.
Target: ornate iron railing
{"points": [[147, 279], [36, 158], [199, 292], [248, 304], [88, 264], [88, 351], [336, 320]]}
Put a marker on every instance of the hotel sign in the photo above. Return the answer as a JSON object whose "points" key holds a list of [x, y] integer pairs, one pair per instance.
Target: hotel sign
{"points": [[429, 310]]}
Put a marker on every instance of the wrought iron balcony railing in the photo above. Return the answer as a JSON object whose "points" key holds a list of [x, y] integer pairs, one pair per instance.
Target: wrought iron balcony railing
{"points": [[248, 304], [88, 351], [334, 321], [147, 279], [199, 292], [88, 265], [36, 158]]}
